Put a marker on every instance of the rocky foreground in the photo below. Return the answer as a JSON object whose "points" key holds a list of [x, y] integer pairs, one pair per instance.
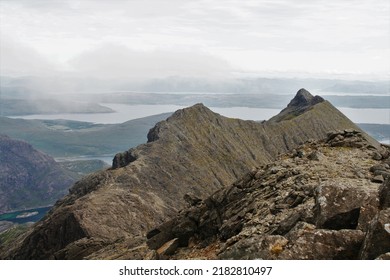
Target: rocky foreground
{"points": [[324, 200]]}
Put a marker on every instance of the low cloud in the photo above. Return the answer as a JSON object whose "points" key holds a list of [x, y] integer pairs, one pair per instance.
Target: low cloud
{"points": [[18, 59], [118, 62]]}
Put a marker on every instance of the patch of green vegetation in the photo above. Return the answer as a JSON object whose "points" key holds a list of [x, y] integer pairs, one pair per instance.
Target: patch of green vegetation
{"points": [[8, 236], [69, 125], [6, 216], [84, 167]]}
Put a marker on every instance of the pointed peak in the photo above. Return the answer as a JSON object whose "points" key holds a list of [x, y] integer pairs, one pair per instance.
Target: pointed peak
{"points": [[302, 102], [304, 98], [303, 93]]}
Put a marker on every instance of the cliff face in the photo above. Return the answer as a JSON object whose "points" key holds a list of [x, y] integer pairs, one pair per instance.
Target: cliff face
{"points": [[194, 151], [28, 178]]}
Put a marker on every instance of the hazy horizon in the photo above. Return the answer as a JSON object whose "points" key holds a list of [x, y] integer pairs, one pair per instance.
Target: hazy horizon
{"points": [[212, 40]]}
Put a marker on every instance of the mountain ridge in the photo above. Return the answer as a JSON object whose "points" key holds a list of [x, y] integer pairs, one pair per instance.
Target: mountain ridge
{"points": [[194, 151]]}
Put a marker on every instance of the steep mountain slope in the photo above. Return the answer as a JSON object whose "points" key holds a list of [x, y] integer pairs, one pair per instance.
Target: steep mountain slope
{"points": [[194, 150], [29, 178]]}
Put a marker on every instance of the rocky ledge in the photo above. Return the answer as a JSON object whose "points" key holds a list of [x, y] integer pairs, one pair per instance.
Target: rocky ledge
{"points": [[324, 200]]}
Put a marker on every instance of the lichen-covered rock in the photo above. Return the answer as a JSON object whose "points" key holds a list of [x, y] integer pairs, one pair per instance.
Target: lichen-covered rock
{"points": [[304, 242], [324, 244], [338, 204], [377, 239]]}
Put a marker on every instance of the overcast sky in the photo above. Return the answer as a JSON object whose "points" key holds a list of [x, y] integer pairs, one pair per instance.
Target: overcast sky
{"points": [[196, 38]]}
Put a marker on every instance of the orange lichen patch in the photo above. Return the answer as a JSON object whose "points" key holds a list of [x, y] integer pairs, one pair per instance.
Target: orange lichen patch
{"points": [[276, 249]]}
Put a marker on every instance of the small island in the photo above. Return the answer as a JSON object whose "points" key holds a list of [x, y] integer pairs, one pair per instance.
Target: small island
{"points": [[27, 214]]}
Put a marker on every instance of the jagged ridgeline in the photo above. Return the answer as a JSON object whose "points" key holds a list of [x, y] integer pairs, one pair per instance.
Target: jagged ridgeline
{"points": [[107, 214]]}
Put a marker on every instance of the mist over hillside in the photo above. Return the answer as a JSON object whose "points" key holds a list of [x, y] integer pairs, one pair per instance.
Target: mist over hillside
{"points": [[58, 95]]}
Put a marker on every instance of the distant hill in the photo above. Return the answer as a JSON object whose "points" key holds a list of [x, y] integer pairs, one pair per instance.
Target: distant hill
{"points": [[188, 157], [19, 107], [359, 87], [84, 167], [260, 99], [63, 138], [29, 178], [36, 86]]}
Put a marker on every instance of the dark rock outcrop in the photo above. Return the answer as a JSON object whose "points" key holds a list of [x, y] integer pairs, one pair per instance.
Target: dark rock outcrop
{"points": [[303, 101], [384, 195], [194, 151]]}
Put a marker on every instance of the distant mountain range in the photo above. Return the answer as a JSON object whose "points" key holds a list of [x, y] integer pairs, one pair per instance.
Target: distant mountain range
{"points": [[19, 107], [211, 163], [22, 87]]}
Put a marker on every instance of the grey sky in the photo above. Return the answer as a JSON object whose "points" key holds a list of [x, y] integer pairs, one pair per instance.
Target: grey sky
{"points": [[201, 38]]}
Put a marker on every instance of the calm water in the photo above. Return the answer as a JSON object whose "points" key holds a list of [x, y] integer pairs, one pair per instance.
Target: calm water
{"points": [[326, 93], [380, 116], [122, 113], [106, 158], [12, 216], [129, 112]]}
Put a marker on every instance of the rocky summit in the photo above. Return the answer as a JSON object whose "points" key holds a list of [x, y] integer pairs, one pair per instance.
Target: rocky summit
{"points": [[191, 155]]}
